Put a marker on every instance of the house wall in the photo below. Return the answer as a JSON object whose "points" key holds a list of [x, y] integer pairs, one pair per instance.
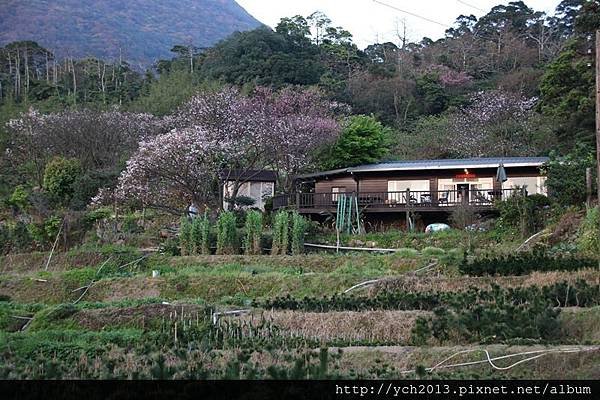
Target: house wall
{"points": [[325, 186], [378, 181]]}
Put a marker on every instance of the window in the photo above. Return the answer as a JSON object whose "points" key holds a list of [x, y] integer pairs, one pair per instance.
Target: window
{"points": [[533, 184], [397, 190], [335, 191]]}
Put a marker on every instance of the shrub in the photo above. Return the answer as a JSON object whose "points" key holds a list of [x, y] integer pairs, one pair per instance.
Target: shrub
{"points": [[241, 201], [170, 247], [60, 176], [524, 214], [226, 233], [463, 216], [280, 233], [589, 233], [87, 185], [407, 253], [130, 224], [20, 237], [253, 227], [19, 198], [433, 251], [201, 235], [420, 332], [492, 321], [299, 226], [566, 175]]}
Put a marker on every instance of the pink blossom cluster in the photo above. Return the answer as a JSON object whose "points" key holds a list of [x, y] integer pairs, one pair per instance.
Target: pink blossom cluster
{"points": [[495, 123], [226, 130]]}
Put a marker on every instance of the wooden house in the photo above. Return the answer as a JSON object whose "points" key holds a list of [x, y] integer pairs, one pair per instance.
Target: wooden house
{"points": [[433, 187]]}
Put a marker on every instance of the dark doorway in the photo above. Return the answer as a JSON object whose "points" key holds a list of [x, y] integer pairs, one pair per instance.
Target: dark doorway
{"points": [[463, 192]]}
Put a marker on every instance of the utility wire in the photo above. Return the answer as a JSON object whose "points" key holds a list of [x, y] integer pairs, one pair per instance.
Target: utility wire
{"points": [[412, 14], [470, 5]]}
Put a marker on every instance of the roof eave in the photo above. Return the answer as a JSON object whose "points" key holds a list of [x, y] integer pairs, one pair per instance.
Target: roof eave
{"points": [[446, 167]]}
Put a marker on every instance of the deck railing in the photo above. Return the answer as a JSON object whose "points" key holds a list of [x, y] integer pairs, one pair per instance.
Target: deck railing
{"points": [[401, 199]]}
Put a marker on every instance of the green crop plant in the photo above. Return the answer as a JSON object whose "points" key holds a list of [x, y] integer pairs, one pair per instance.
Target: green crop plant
{"points": [[185, 236], [280, 234], [226, 233], [298, 230], [253, 228], [201, 235]]}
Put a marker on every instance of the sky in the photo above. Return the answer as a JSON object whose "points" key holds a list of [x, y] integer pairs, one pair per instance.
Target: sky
{"points": [[371, 22]]}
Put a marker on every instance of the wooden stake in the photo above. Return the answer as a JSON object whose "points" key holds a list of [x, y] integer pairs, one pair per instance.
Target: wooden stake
{"points": [[54, 245]]}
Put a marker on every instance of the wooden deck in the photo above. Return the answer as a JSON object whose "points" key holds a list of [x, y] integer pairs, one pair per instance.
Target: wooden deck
{"points": [[386, 202]]}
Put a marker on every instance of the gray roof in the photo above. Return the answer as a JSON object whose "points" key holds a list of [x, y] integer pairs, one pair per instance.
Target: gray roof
{"points": [[254, 175], [452, 164], [413, 165], [323, 173]]}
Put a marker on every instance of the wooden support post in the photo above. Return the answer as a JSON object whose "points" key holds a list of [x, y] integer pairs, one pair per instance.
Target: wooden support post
{"points": [[598, 113], [588, 187], [408, 224]]}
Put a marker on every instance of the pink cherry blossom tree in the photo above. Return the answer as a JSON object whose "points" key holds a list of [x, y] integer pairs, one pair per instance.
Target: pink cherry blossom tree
{"points": [[168, 172], [218, 133], [496, 123], [98, 139]]}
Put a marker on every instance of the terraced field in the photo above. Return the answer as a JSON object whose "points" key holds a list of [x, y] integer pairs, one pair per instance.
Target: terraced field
{"points": [[100, 313]]}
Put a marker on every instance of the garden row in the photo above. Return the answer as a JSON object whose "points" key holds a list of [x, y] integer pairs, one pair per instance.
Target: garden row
{"points": [[198, 236], [525, 263], [580, 294]]}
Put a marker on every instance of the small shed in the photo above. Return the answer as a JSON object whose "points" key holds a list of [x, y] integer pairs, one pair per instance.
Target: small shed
{"points": [[258, 185]]}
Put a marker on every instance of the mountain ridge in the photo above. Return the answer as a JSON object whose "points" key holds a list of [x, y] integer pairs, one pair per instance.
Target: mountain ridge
{"points": [[140, 31]]}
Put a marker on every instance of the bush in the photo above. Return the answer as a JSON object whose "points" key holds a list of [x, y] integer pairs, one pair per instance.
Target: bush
{"points": [[589, 233], [524, 214], [407, 253], [87, 185], [19, 198], [60, 176], [433, 251], [170, 247], [253, 227], [299, 226], [130, 224], [566, 175], [20, 238], [280, 233], [226, 233], [463, 216]]}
